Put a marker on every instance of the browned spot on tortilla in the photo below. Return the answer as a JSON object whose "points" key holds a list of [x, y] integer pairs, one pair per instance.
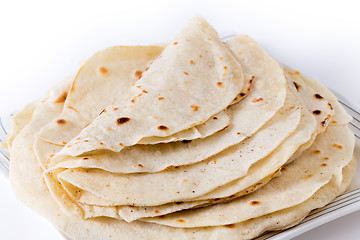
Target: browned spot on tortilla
{"points": [[161, 98], [225, 67], [162, 127], [101, 143], [220, 84], [242, 94], [317, 151], [229, 225], [326, 121], [337, 146], [70, 107], [192, 62], [175, 43], [221, 58], [186, 141], [326, 158], [333, 121], [179, 202], [318, 96], [257, 100], [308, 176], [85, 158], [324, 165], [86, 140], [156, 211], [61, 121], [61, 98], [138, 74], [297, 72], [331, 107], [64, 142], [186, 73], [232, 196], [238, 133], [255, 203], [185, 180], [181, 221], [122, 120], [215, 118], [194, 107], [108, 185], [316, 112], [176, 167], [297, 86], [120, 144], [103, 70], [144, 91]]}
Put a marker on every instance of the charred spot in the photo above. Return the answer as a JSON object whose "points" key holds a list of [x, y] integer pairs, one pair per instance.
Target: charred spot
{"points": [[324, 165], [318, 96], [175, 43], [86, 140], [195, 108], [337, 146], [317, 151], [161, 98], [333, 122], [138, 74], [61, 121], [181, 221], [163, 128], [325, 122], [220, 84], [186, 73], [122, 120], [103, 70], [238, 133], [162, 216], [192, 62], [242, 94], [102, 111], [115, 109], [61, 98], [140, 165], [156, 211], [85, 158], [297, 86], [186, 141], [232, 196], [144, 91], [257, 100], [179, 202], [255, 203], [316, 112], [229, 225], [326, 158], [216, 199], [101, 143], [331, 107], [215, 118], [225, 67]]}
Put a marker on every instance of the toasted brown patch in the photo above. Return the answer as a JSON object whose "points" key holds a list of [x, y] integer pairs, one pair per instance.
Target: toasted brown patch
{"points": [[318, 96], [138, 74], [316, 112], [324, 165], [186, 141], [175, 43], [334, 122], [229, 225], [255, 203], [331, 107], [140, 165], [326, 121], [232, 196], [215, 118], [61, 98], [297, 86], [61, 121], [85, 158], [162, 127], [156, 211], [257, 100], [191, 62], [181, 221], [161, 98], [86, 140], [186, 73], [101, 143], [122, 120], [242, 94], [221, 58], [194, 107], [115, 109], [326, 158], [185, 180], [337, 146], [179, 202], [308, 176], [225, 67], [220, 84], [317, 151], [103, 70]]}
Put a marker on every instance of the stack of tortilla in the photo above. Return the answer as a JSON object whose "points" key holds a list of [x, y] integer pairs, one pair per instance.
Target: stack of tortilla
{"points": [[194, 139]]}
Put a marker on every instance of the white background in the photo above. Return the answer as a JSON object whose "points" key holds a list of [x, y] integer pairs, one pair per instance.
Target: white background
{"points": [[41, 42]]}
